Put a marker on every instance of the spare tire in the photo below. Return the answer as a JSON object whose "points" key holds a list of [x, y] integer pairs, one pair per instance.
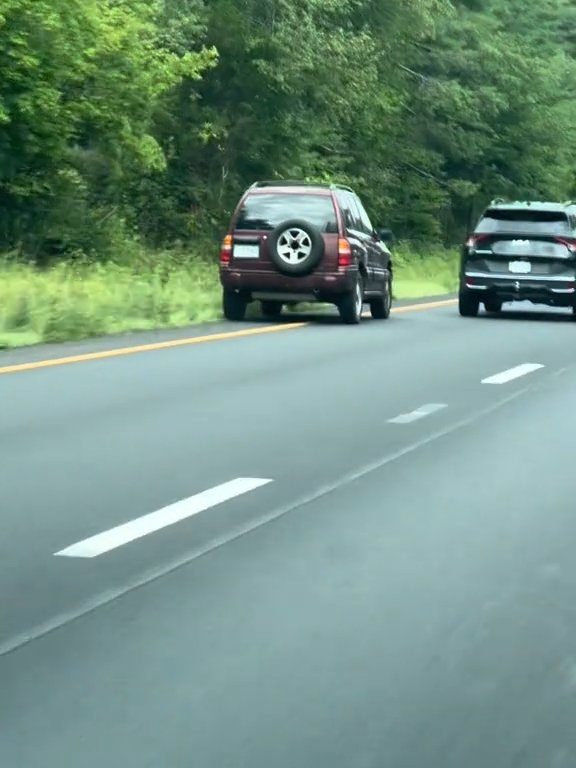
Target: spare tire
{"points": [[296, 247]]}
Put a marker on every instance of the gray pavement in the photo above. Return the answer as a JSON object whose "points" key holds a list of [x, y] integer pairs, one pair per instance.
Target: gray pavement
{"points": [[400, 594]]}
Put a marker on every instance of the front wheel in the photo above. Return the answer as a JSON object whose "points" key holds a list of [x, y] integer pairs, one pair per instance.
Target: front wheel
{"points": [[350, 305], [468, 305], [381, 306], [234, 306]]}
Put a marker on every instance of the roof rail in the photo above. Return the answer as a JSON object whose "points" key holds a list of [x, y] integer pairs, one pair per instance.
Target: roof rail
{"points": [[295, 183], [497, 201], [288, 183]]}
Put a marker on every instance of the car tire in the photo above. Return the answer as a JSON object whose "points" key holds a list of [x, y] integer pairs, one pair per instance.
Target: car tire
{"points": [[381, 305], [296, 247], [468, 305], [350, 305], [493, 306], [234, 306], [271, 309]]}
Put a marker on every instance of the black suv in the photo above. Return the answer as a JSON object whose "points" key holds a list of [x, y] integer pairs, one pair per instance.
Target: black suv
{"points": [[291, 242], [522, 251]]}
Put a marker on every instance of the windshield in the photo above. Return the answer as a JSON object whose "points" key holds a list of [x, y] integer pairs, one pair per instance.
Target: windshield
{"points": [[268, 211], [527, 222]]}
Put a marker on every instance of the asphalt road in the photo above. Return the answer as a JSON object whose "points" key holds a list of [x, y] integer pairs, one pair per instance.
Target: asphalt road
{"points": [[324, 547]]}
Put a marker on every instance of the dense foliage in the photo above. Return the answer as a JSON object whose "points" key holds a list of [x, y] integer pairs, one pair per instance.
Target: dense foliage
{"points": [[126, 119]]}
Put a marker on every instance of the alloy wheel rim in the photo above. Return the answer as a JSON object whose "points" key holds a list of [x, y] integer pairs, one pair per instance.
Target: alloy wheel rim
{"points": [[294, 246], [359, 300]]}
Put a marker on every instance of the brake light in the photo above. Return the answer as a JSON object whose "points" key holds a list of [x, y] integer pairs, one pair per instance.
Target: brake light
{"points": [[569, 242], [473, 240], [226, 250], [344, 252]]}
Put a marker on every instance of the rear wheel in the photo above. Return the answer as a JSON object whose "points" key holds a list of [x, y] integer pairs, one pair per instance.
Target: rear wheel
{"points": [[271, 308], [381, 305], [234, 306], [468, 305], [493, 305], [350, 305]]}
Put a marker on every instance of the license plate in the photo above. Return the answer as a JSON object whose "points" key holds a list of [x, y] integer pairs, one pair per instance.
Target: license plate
{"points": [[520, 267], [246, 250]]}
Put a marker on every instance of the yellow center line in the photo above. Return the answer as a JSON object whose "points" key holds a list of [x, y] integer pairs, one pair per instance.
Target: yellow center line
{"points": [[427, 305], [188, 341]]}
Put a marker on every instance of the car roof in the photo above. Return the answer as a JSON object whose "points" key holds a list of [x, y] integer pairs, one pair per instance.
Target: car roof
{"points": [[281, 190], [279, 186], [530, 205]]}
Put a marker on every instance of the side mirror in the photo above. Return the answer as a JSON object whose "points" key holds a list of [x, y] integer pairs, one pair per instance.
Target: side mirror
{"points": [[386, 235]]}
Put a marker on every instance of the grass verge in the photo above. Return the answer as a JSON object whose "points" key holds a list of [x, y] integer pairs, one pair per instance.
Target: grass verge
{"points": [[76, 301], [419, 274]]}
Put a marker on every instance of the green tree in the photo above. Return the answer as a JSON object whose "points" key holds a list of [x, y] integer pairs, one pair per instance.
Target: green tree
{"points": [[79, 80], [311, 89], [151, 116], [498, 105]]}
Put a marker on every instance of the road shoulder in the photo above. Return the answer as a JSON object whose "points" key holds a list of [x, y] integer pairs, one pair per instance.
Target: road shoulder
{"points": [[40, 352]]}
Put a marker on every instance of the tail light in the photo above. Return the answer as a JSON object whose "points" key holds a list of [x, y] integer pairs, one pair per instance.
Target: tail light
{"points": [[226, 250], [473, 240], [569, 242], [344, 253]]}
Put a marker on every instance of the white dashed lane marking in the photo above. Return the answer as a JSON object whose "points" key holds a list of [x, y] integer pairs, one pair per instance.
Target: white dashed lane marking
{"points": [[419, 413], [512, 373], [155, 521]]}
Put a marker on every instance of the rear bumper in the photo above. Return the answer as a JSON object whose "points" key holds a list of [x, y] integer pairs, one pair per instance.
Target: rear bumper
{"points": [[559, 291], [320, 286]]}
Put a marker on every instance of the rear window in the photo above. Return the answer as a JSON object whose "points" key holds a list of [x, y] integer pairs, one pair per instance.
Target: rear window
{"points": [[266, 212], [523, 221]]}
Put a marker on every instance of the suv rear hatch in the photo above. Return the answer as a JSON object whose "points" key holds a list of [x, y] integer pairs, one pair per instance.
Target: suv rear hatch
{"points": [[510, 242], [262, 211]]}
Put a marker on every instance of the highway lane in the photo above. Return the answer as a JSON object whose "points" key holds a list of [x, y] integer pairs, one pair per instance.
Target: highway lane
{"points": [[91, 446], [333, 622]]}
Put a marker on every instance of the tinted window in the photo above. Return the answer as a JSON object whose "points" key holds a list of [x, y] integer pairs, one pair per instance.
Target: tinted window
{"points": [[523, 221], [349, 211], [266, 212], [364, 218]]}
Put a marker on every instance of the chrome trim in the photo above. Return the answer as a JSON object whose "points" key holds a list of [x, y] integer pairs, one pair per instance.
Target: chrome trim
{"points": [[563, 290], [477, 287], [515, 278]]}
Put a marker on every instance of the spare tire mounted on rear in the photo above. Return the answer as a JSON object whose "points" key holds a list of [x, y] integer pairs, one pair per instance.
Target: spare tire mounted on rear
{"points": [[296, 247]]}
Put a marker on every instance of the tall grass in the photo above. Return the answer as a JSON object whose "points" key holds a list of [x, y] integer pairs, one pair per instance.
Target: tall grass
{"points": [[70, 302], [74, 301], [420, 273]]}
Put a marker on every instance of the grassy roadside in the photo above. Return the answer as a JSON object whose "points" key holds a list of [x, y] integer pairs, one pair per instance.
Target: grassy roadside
{"points": [[417, 274], [69, 302]]}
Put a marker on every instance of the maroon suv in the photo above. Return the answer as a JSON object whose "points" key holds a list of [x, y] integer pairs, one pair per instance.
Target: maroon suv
{"points": [[293, 242]]}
